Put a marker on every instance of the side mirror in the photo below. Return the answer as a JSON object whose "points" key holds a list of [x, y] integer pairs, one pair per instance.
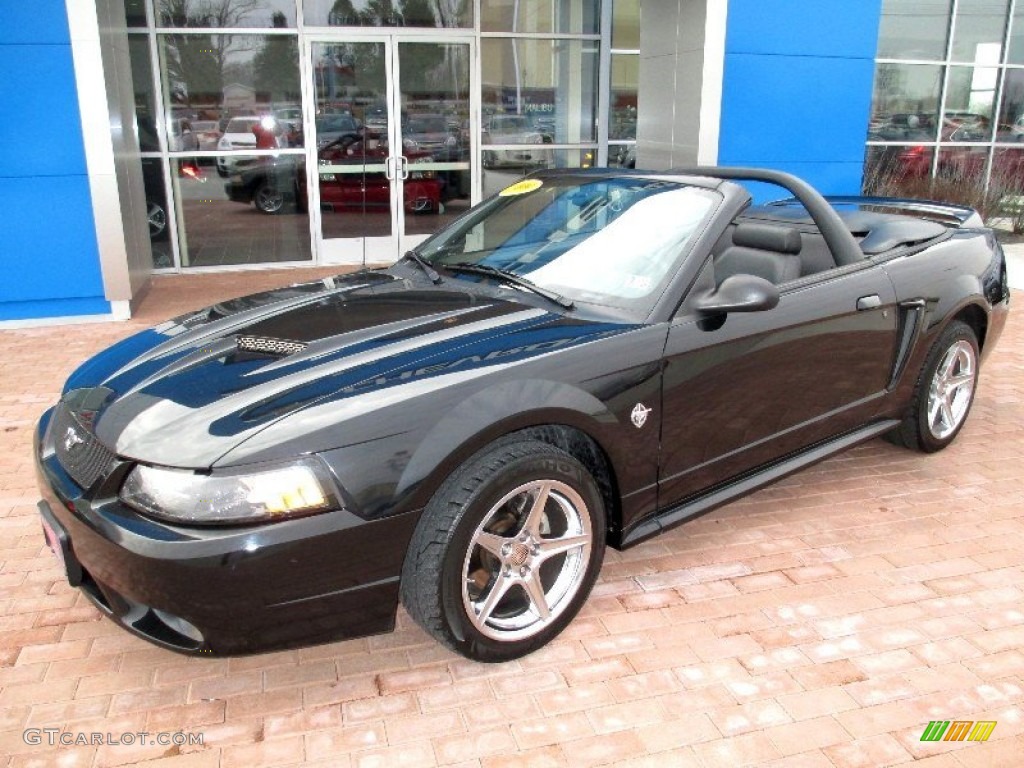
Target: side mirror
{"points": [[740, 293]]}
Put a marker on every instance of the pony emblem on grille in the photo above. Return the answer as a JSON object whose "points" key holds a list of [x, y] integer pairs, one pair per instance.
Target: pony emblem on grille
{"points": [[71, 439]]}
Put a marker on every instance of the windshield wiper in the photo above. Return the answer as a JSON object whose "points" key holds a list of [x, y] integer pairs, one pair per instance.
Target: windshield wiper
{"points": [[510, 277], [435, 278]]}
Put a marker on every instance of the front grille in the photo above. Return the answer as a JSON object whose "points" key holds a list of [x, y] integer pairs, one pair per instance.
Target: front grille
{"points": [[269, 346], [81, 455]]}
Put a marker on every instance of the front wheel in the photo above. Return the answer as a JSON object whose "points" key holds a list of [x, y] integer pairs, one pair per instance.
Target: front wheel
{"points": [[156, 217], [506, 552], [944, 392], [269, 199]]}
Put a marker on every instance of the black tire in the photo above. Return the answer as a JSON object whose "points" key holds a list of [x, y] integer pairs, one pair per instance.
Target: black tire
{"points": [[268, 198], [918, 431], [483, 494]]}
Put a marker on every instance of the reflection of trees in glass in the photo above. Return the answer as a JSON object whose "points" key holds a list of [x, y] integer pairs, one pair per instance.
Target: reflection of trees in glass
{"points": [[404, 13], [349, 70], [199, 66], [196, 63], [275, 66], [210, 13]]}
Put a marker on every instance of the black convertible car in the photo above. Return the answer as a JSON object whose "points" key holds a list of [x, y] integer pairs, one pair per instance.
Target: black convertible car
{"points": [[583, 360]]}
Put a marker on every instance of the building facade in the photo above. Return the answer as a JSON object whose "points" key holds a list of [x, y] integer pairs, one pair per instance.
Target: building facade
{"points": [[154, 136]]}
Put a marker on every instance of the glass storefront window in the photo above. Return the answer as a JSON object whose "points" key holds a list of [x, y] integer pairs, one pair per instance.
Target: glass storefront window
{"points": [[225, 14], [388, 13], [145, 95], [625, 84], [560, 17], [539, 91], [221, 77], [1011, 111], [914, 29], [905, 105], [626, 24], [1016, 41], [970, 102], [897, 171], [504, 167], [135, 13], [978, 35], [1008, 170], [156, 211], [965, 165], [258, 216]]}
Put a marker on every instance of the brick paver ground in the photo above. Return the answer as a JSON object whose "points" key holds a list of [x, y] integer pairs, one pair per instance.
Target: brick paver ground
{"points": [[820, 622]]}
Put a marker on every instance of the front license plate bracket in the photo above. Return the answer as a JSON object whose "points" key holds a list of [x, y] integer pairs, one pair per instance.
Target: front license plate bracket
{"points": [[60, 543]]}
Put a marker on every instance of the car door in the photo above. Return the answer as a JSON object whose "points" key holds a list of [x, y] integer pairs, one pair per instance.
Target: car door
{"points": [[741, 393]]}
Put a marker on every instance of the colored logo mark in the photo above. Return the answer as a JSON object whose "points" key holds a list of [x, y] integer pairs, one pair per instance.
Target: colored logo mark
{"points": [[958, 730]]}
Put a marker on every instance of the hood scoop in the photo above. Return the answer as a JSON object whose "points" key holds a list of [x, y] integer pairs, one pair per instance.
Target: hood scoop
{"points": [[267, 345]]}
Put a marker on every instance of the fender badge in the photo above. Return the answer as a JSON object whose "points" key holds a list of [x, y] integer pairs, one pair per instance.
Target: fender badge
{"points": [[639, 415]]}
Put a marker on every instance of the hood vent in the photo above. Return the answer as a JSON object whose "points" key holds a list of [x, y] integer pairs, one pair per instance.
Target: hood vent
{"points": [[268, 346]]}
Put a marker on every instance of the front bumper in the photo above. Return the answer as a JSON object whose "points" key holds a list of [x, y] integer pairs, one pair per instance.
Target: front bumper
{"points": [[223, 590]]}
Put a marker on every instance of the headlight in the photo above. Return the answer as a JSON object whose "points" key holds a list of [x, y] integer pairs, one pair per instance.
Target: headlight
{"points": [[410, 144], [257, 496], [224, 144]]}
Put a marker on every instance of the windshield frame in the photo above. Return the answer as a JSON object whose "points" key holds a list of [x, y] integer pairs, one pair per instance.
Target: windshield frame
{"points": [[433, 250]]}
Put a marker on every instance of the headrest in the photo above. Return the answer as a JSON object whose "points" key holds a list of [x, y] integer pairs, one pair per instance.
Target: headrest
{"points": [[767, 237]]}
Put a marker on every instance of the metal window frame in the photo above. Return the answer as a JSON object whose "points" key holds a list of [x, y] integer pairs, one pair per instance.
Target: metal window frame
{"points": [[948, 63], [306, 32]]}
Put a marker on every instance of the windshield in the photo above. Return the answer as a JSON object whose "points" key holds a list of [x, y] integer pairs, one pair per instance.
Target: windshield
{"points": [[335, 123], [241, 125], [606, 241], [427, 125]]}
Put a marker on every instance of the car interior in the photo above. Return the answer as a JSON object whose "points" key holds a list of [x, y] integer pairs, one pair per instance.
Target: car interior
{"points": [[782, 244]]}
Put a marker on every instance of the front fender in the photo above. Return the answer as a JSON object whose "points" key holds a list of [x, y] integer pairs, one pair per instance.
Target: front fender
{"points": [[502, 408]]}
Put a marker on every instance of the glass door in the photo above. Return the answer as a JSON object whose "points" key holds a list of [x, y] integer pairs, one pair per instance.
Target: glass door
{"points": [[392, 143]]}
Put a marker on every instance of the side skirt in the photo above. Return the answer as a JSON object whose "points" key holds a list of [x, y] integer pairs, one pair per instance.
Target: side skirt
{"points": [[699, 505]]}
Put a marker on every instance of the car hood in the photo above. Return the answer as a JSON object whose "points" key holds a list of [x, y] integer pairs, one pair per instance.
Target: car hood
{"points": [[190, 390]]}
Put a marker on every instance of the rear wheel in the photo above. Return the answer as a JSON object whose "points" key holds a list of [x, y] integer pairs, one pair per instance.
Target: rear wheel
{"points": [[944, 392], [506, 552]]}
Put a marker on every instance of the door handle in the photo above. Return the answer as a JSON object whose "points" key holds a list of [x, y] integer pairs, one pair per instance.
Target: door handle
{"points": [[403, 174], [868, 302], [391, 168]]}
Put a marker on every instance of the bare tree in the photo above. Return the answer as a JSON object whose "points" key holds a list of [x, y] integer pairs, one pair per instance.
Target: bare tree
{"points": [[197, 63]]}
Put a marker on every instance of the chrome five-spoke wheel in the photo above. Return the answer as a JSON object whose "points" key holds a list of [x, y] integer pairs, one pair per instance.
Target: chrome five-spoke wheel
{"points": [[526, 560], [506, 552], [943, 392], [952, 388], [269, 199]]}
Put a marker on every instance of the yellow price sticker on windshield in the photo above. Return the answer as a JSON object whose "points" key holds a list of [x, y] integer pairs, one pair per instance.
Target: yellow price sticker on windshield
{"points": [[521, 188]]}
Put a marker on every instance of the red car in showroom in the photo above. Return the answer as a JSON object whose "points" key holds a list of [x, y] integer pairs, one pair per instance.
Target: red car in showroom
{"points": [[273, 184]]}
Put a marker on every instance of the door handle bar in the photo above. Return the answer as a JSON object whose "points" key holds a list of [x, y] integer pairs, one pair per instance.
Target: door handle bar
{"points": [[868, 302]]}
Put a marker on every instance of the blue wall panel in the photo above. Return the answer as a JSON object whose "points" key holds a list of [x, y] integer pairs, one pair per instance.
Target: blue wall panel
{"points": [[49, 217], [47, 140], [35, 22], [50, 259], [797, 87], [828, 28]]}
